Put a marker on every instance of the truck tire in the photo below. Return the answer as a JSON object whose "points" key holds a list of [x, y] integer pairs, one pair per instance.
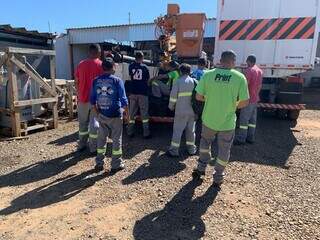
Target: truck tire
{"points": [[293, 114]]}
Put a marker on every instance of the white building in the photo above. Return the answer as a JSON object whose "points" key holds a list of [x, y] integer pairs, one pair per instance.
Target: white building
{"points": [[72, 47]]}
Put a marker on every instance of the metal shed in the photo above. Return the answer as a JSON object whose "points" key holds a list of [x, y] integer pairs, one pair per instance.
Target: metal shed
{"points": [[71, 48]]}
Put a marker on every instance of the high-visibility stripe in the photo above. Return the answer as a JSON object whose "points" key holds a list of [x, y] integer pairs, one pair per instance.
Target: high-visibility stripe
{"points": [[174, 100], [93, 136], [154, 83], [252, 125], [83, 133], [222, 162], [173, 144], [244, 127], [116, 152], [145, 121], [204, 150], [185, 94], [268, 29], [132, 121], [101, 150], [190, 143]]}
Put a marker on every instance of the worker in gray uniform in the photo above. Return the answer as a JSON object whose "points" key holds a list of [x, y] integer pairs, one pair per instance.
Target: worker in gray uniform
{"points": [[248, 115], [161, 89], [184, 119], [140, 75], [223, 90], [85, 73], [109, 100]]}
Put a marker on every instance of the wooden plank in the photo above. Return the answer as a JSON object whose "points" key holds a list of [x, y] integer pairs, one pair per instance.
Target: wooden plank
{"points": [[3, 59], [31, 102], [30, 51], [35, 127], [13, 139], [69, 98], [33, 76], [53, 85], [15, 115], [5, 110]]}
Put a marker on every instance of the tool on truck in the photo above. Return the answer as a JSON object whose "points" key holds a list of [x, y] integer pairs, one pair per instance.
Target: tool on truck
{"points": [[283, 35], [180, 37]]}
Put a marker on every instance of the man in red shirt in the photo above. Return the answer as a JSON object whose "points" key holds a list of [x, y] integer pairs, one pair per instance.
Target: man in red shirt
{"points": [[248, 115], [86, 72]]}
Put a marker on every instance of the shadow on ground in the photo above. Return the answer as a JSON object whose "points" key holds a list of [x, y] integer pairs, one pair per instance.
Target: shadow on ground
{"points": [[57, 191], [158, 166], [274, 144], [180, 218], [71, 138], [41, 170]]}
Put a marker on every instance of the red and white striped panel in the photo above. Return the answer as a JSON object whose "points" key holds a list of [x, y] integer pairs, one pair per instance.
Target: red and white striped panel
{"points": [[282, 106]]}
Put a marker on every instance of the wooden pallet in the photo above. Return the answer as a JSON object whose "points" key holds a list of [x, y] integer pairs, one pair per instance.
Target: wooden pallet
{"points": [[14, 60], [36, 125]]}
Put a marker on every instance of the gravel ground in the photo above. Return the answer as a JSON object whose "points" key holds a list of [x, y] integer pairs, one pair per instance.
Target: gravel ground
{"points": [[272, 189]]}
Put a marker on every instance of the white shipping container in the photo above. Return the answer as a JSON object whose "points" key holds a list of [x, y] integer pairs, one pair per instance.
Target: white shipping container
{"points": [[282, 34]]}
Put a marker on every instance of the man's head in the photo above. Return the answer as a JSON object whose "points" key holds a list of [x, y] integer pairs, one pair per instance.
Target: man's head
{"points": [[94, 51], [202, 63], [185, 69], [173, 65], [251, 60], [228, 59], [139, 57], [108, 65]]}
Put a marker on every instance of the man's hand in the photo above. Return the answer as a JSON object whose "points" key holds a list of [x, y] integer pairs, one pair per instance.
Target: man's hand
{"points": [[200, 98], [243, 104], [126, 117], [95, 110]]}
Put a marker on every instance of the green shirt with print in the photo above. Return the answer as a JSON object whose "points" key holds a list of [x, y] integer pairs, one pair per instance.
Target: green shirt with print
{"points": [[173, 77], [222, 88]]}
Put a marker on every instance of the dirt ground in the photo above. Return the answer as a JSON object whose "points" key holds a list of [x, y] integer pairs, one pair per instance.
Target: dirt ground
{"points": [[272, 189]]}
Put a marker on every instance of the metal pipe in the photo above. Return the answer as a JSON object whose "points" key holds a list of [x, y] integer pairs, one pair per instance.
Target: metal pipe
{"points": [[132, 59]]}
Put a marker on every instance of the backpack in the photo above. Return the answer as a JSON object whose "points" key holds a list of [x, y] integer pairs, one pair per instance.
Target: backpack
{"points": [[197, 106]]}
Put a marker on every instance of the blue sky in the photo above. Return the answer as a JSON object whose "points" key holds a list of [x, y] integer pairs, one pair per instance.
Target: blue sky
{"points": [[62, 14]]}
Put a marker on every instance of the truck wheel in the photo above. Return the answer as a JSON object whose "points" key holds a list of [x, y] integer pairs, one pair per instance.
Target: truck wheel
{"points": [[282, 114], [293, 114]]}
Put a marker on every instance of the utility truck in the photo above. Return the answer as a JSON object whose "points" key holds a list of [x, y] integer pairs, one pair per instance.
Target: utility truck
{"points": [[282, 34]]}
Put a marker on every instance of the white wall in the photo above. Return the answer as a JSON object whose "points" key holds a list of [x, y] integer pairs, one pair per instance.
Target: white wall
{"points": [[63, 66], [80, 52]]}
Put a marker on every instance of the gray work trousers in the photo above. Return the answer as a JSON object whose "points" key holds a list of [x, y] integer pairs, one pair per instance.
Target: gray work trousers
{"points": [[224, 140], [160, 89], [181, 124], [107, 126], [88, 126], [139, 102], [248, 120]]}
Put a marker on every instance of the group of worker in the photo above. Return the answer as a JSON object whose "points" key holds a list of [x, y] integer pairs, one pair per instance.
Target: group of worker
{"points": [[103, 104]]}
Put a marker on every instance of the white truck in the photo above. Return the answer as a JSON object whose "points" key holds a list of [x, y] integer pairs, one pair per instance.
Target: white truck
{"points": [[282, 34]]}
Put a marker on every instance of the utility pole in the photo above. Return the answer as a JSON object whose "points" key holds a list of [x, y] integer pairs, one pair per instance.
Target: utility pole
{"points": [[49, 26], [129, 18]]}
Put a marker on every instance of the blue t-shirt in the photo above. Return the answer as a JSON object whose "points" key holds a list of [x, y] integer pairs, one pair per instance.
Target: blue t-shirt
{"points": [[109, 95], [197, 74], [139, 74]]}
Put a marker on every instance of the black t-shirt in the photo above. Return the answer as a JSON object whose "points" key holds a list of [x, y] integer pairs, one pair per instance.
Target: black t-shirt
{"points": [[139, 74]]}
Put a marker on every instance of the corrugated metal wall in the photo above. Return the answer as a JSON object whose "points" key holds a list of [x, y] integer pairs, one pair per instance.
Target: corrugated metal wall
{"points": [[137, 32], [63, 66]]}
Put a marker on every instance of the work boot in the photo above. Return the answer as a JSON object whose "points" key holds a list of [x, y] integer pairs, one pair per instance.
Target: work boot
{"points": [[238, 143], [99, 167], [113, 171], [196, 174], [250, 141], [147, 137], [169, 153]]}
